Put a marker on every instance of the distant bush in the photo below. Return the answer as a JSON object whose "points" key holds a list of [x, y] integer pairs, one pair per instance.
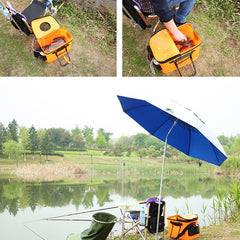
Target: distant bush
{"points": [[232, 164]]}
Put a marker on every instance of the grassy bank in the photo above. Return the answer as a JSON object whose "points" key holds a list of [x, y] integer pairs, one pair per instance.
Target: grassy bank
{"points": [[220, 232], [94, 163]]}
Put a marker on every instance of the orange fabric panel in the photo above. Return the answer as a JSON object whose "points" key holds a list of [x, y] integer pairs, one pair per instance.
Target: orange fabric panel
{"points": [[183, 228]]}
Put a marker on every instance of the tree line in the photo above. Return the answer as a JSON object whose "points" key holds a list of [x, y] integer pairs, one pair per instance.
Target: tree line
{"points": [[15, 139], [47, 141]]}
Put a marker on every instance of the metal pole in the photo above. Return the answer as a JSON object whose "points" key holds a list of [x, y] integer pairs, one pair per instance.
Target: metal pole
{"points": [[160, 191]]}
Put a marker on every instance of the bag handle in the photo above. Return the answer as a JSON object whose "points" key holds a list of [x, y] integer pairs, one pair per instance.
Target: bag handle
{"points": [[181, 58], [67, 59], [176, 223]]}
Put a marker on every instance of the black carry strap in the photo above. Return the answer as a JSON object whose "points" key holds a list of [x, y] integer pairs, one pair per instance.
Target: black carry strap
{"points": [[67, 60], [183, 58], [180, 234]]}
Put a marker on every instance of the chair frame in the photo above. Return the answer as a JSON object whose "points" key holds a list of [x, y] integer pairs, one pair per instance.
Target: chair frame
{"points": [[135, 224], [144, 18], [48, 9]]}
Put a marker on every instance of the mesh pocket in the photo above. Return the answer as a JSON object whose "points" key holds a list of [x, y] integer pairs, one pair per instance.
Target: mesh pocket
{"points": [[193, 230]]}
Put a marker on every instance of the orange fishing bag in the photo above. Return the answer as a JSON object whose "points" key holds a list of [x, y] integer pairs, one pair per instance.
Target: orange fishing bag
{"points": [[183, 226], [166, 53], [53, 41]]}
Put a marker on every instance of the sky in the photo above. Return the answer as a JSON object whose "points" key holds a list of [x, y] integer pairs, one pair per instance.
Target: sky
{"points": [[67, 102]]}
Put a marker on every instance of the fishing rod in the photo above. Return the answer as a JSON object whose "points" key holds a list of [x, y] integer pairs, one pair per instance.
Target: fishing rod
{"points": [[89, 211], [70, 219], [34, 232], [56, 218], [71, 214]]}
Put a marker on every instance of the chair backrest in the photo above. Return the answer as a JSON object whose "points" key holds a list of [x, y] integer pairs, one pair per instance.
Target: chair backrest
{"points": [[145, 6], [20, 23], [151, 223], [34, 10]]}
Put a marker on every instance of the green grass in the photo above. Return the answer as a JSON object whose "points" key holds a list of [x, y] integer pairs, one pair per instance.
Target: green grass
{"points": [[95, 161], [134, 57], [92, 22], [219, 47], [86, 152]]}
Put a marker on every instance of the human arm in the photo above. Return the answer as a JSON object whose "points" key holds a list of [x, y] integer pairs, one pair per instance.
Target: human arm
{"points": [[166, 16]]}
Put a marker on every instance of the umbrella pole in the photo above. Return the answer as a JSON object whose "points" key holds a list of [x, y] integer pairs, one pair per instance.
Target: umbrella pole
{"points": [[163, 164]]}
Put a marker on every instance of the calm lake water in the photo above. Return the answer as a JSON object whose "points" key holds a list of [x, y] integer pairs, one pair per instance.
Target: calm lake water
{"points": [[23, 205]]}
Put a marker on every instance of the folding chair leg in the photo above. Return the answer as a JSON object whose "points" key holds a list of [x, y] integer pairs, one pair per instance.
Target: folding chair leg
{"points": [[141, 15], [129, 15], [134, 225], [155, 27]]}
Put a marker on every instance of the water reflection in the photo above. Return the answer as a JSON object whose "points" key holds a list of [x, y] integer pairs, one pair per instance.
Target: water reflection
{"points": [[22, 202], [15, 195]]}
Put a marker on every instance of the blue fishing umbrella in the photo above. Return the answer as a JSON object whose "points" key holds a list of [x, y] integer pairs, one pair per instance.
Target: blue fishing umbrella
{"points": [[177, 126], [189, 134]]}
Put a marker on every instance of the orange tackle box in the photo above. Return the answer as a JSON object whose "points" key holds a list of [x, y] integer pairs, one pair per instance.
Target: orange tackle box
{"points": [[53, 41], [167, 54], [183, 226]]}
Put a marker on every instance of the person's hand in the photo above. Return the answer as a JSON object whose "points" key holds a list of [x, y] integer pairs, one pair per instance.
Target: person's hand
{"points": [[179, 36]]}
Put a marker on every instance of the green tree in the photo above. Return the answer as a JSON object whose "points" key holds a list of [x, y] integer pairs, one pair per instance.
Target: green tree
{"points": [[139, 140], [125, 141], [3, 135], [224, 140], [24, 139], [235, 148], [141, 152], [118, 150], [153, 141], [101, 141], [75, 131], [151, 150], [106, 135], [33, 142], [79, 142], [128, 150], [66, 139], [46, 146], [89, 141], [87, 131], [13, 130], [13, 150], [56, 135]]}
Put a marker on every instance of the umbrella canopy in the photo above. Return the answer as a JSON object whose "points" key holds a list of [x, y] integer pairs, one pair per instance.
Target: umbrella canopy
{"points": [[187, 132]]}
